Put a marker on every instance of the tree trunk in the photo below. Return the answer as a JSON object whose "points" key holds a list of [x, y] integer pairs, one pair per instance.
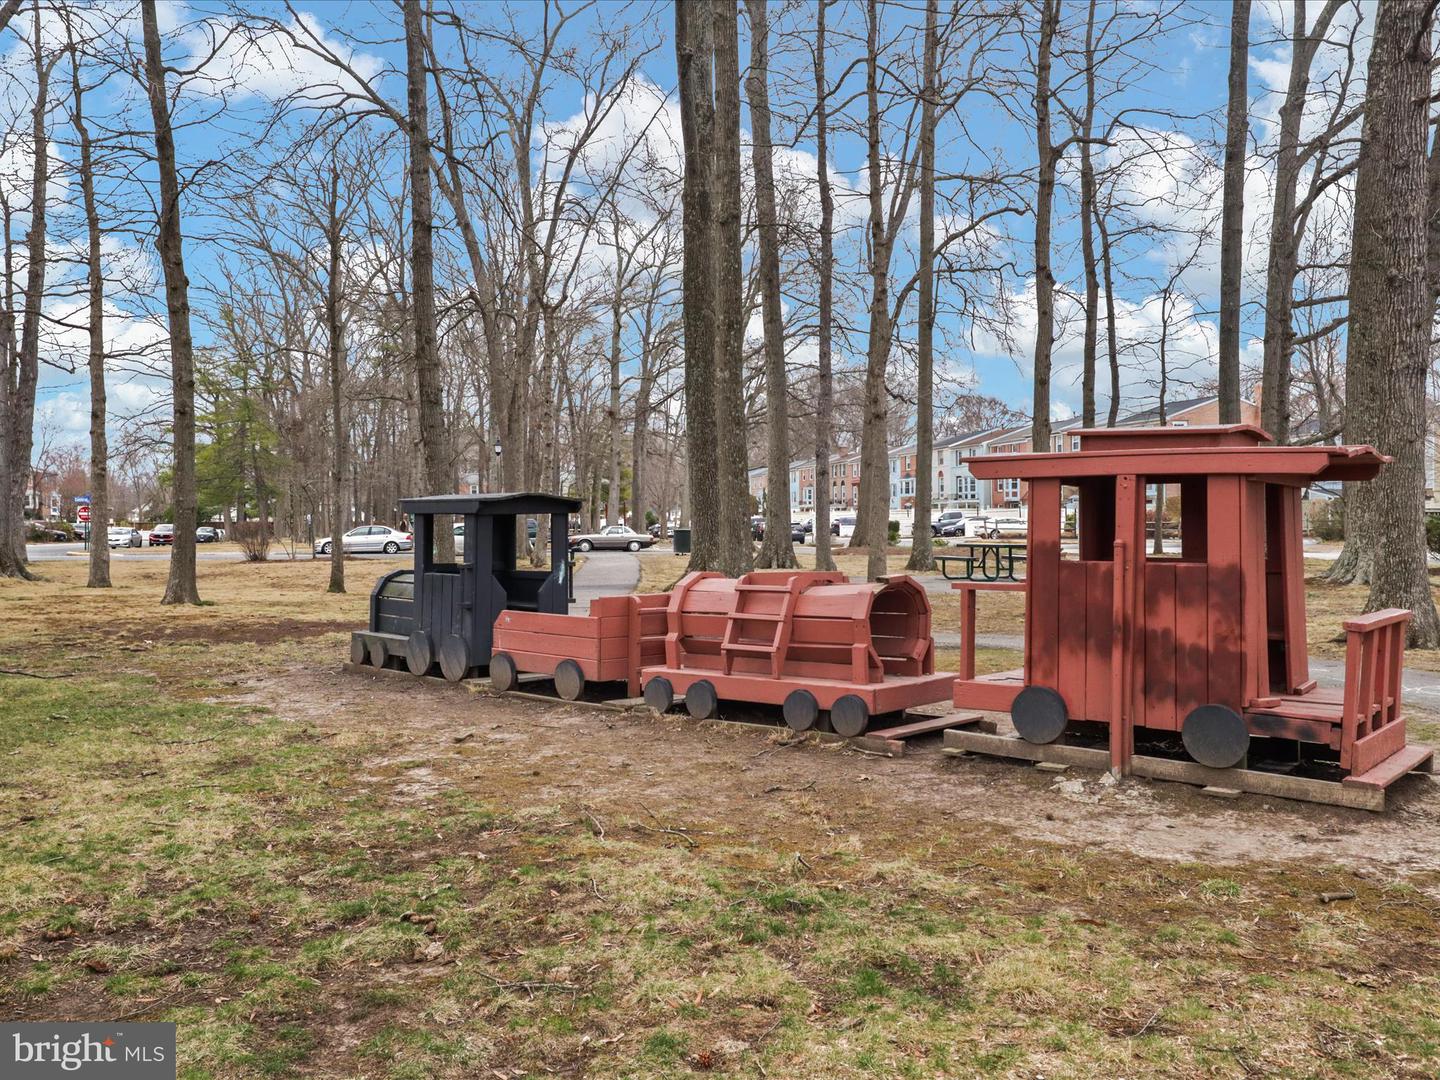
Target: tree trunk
{"points": [[336, 354], [694, 59], [736, 552], [874, 454], [22, 373], [436, 458], [1391, 309], [825, 315], [777, 550], [1048, 161], [180, 588], [1279, 343], [1232, 226], [1087, 230], [95, 282], [922, 554], [1112, 335]]}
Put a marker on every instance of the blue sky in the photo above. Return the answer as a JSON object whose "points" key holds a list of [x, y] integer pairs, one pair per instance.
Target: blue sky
{"points": [[1182, 87]]}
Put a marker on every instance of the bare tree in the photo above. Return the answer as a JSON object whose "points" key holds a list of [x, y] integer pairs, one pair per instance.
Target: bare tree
{"points": [[1232, 238], [1391, 312], [825, 307], [694, 54], [436, 455], [1290, 158], [777, 549], [736, 554], [95, 330], [180, 587], [922, 555], [1048, 159], [20, 371]]}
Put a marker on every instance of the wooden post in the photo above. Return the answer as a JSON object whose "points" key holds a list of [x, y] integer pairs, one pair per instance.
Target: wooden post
{"points": [[1129, 509], [967, 633]]}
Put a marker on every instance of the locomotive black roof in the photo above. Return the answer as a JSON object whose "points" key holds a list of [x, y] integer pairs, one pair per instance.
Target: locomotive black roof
{"points": [[493, 504]]}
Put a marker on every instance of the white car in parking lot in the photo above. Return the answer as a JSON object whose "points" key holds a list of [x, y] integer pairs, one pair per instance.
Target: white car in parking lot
{"points": [[1008, 527], [368, 538]]}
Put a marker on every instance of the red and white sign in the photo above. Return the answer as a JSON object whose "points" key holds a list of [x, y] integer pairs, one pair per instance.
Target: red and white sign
{"points": [[82, 513]]}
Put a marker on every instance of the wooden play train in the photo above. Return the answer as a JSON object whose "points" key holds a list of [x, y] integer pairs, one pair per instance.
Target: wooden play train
{"points": [[1201, 641], [815, 644]]}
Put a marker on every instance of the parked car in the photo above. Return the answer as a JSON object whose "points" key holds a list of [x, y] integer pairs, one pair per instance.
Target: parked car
{"points": [[799, 530], [843, 526], [123, 536], [162, 535], [995, 528], [368, 538], [613, 538], [949, 523], [207, 535], [757, 527]]}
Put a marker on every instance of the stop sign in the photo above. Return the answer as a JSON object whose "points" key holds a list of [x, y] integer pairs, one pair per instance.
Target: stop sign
{"points": [[82, 513]]}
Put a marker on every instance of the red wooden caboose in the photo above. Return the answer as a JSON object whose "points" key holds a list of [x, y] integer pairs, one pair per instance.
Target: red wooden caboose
{"points": [[1208, 637]]}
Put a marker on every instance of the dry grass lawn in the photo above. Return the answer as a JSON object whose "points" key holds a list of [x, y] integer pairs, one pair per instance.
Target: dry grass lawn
{"points": [[324, 875]]}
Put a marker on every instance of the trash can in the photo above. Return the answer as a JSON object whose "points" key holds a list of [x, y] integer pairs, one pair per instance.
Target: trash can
{"points": [[680, 539]]}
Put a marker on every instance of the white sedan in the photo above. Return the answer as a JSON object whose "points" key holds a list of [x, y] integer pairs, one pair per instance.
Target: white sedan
{"points": [[368, 538]]}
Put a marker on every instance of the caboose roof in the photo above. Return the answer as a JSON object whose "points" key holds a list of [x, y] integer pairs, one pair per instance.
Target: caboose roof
{"points": [[1237, 449], [492, 504]]}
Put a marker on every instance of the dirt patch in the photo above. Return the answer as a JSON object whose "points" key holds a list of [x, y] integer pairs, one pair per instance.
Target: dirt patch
{"points": [[221, 632], [711, 772]]}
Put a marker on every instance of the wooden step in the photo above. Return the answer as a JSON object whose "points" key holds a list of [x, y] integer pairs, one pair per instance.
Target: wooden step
{"points": [[1411, 759]]}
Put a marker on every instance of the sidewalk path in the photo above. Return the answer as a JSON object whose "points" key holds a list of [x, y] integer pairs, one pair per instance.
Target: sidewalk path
{"points": [[605, 573]]}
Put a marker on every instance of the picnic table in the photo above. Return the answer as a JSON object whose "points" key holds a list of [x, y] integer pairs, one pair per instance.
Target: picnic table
{"points": [[983, 560]]}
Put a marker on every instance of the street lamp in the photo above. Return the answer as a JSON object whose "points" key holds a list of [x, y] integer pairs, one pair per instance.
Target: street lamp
{"points": [[498, 448]]}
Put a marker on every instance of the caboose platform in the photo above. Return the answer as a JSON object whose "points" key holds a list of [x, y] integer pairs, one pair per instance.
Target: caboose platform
{"points": [[1365, 791]]}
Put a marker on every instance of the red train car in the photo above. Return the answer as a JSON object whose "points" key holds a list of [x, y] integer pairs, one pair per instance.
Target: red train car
{"points": [[1208, 639], [619, 636], [812, 643]]}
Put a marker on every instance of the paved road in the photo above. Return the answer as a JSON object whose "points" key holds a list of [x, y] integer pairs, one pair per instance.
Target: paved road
{"points": [[58, 552]]}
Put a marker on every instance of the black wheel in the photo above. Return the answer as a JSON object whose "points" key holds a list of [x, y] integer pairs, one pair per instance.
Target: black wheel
{"points": [[377, 652], [418, 656], [634, 545], [584, 545], [325, 549], [849, 716], [801, 710], [454, 658], [391, 547], [357, 649], [1039, 714], [502, 672], [569, 680], [701, 701], [659, 694], [1215, 735]]}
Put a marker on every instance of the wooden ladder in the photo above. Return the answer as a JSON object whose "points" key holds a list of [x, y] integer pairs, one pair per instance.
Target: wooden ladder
{"points": [[732, 647]]}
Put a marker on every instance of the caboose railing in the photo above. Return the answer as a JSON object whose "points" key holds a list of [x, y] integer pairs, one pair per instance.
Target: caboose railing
{"points": [[1372, 725]]}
